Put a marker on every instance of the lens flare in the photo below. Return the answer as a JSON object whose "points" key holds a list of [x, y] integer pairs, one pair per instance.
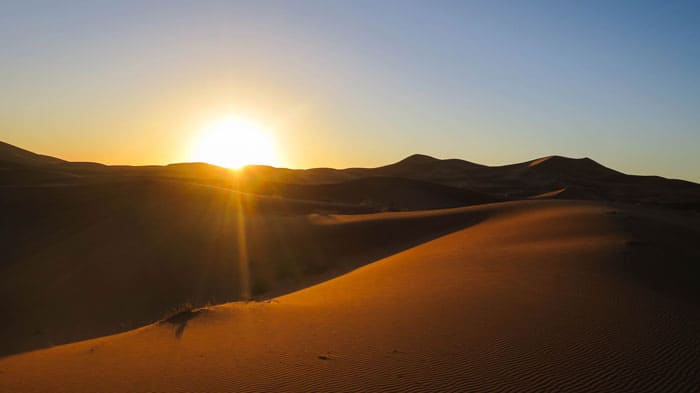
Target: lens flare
{"points": [[234, 142]]}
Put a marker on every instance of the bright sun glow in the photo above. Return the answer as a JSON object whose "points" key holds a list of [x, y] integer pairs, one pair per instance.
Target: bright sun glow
{"points": [[234, 142]]}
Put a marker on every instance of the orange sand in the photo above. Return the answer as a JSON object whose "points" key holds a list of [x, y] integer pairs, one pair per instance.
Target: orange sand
{"points": [[535, 297]]}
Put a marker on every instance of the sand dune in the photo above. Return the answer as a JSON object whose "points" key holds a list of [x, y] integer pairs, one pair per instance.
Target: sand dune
{"points": [[82, 261], [14, 154], [417, 182], [547, 292], [529, 296], [383, 193]]}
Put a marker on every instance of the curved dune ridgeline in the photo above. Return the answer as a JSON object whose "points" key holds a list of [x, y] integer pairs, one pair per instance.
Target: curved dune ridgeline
{"points": [[89, 260], [417, 182], [528, 296]]}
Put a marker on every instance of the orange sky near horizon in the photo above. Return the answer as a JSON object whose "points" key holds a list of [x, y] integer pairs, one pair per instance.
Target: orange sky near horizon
{"points": [[356, 84]]}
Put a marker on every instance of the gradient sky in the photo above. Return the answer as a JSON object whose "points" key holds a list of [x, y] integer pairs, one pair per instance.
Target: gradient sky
{"points": [[358, 83]]}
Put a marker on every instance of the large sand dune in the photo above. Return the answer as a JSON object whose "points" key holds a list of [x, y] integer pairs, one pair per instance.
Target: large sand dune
{"points": [[82, 261], [527, 296], [545, 292]]}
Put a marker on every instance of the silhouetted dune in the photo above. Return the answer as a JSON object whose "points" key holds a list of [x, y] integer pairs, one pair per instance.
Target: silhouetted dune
{"points": [[571, 166], [581, 178], [384, 193], [426, 167], [14, 155]]}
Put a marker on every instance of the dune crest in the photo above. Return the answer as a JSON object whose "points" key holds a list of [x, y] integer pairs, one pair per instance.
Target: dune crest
{"points": [[415, 183], [530, 299]]}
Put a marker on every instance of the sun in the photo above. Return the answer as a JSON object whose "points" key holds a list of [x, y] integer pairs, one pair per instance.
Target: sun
{"points": [[234, 142]]}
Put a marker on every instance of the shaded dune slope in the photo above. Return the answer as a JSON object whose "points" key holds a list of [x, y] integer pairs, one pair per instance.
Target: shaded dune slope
{"points": [[88, 260], [532, 296], [388, 193]]}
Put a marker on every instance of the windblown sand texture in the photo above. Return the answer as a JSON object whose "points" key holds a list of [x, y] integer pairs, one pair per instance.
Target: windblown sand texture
{"points": [[529, 296]]}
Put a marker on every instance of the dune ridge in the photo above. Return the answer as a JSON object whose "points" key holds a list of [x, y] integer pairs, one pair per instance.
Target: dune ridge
{"points": [[82, 261], [415, 183], [534, 296]]}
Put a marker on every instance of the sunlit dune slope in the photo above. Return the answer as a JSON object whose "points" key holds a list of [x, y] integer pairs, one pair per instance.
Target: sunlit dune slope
{"points": [[528, 296], [87, 260]]}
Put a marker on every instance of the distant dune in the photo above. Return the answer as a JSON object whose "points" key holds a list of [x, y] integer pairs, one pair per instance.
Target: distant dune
{"points": [[415, 183], [382, 193], [15, 155], [554, 274]]}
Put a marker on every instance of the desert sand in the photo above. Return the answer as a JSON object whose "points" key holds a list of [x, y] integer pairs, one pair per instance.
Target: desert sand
{"points": [[82, 261], [536, 295]]}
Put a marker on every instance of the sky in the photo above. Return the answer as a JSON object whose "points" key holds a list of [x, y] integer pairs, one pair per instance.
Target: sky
{"points": [[357, 83]]}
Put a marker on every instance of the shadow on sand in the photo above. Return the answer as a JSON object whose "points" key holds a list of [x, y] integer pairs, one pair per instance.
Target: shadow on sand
{"points": [[180, 320]]}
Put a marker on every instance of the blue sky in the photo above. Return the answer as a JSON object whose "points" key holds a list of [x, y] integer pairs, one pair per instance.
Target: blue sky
{"points": [[358, 83]]}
